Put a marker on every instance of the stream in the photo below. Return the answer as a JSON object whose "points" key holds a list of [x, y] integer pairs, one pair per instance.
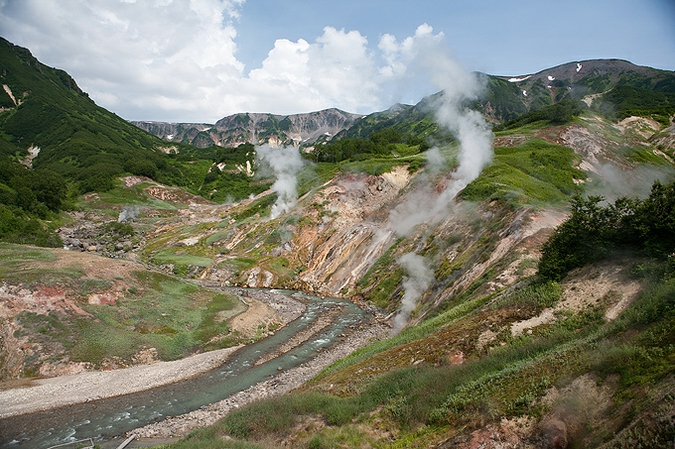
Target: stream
{"points": [[104, 419]]}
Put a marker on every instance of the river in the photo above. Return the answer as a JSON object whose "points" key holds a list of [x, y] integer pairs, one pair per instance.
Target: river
{"points": [[104, 419]]}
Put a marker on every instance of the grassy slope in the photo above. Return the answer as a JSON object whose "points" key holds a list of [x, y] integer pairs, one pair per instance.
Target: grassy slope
{"points": [[550, 373]]}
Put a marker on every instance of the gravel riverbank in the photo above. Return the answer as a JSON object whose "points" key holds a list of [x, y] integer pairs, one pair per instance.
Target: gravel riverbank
{"points": [[46, 394], [180, 426]]}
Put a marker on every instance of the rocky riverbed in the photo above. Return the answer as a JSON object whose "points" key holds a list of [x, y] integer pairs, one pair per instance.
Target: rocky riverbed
{"points": [[80, 388], [285, 381], [45, 394]]}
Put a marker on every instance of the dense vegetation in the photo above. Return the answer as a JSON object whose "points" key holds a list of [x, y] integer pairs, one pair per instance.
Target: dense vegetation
{"points": [[385, 141], [84, 148], [593, 231], [27, 197], [415, 120], [555, 114], [78, 140], [626, 100]]}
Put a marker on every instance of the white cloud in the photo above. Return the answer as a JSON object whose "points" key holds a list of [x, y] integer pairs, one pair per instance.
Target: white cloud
{"points": [[337, 70], [177, 60]]}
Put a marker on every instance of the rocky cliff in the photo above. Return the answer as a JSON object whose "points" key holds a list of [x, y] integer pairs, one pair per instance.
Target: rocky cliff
{"points": [[256, 128]]}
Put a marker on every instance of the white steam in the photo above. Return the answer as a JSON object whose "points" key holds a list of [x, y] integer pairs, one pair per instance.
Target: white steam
{"points": [[418, 279], [426, 204], [128, 212], [612, 182], [473, 134], [284, 163]]}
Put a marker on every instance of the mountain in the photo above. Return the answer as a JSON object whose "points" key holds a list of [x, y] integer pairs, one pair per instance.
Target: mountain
{"points": [[613, 87], [234, 130], [530, 306], [616, 87], [47, 118]]}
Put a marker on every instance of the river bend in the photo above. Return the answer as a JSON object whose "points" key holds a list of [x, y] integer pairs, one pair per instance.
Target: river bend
{"points": [[106, 418]]}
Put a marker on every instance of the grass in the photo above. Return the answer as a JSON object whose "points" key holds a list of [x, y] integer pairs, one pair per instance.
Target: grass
{"points": [[314, 175], [17, 257], [381, 280], [534, 296], [408, 335], [122, 195], [181, 262], [534, 172], [261, 207], [170, 315], [156, 311], [378, 166]]}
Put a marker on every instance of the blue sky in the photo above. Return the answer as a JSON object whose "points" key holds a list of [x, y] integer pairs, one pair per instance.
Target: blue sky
{"points": [[493, 36], [199, 60]]}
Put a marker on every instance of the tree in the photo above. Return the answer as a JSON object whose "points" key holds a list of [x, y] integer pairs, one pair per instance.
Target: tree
{"points": [[592, 232]]}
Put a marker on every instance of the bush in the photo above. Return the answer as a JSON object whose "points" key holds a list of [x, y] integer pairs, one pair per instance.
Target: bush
{"points": [[16, 226], [557, 114], [592, 232]]}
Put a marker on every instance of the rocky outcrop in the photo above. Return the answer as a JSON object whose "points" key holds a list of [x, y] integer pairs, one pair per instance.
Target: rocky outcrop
{"points": [[11, 353], [177, 132], [275, 130]]}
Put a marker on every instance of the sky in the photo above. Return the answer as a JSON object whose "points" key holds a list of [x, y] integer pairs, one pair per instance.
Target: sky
{"points": [[200, 60]]}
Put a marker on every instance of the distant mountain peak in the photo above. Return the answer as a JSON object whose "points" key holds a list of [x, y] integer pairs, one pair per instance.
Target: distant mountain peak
{"points": [[256, 128]]}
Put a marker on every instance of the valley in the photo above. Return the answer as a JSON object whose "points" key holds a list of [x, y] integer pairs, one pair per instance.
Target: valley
{"points": [[493, 276]]}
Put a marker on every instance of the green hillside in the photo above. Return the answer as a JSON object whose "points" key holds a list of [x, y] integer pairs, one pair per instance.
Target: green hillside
{"points": [[614, 88], [77, 139], [79, 147]]}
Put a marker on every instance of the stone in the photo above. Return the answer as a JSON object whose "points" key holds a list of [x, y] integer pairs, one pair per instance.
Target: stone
{"points": [[554, 432]]}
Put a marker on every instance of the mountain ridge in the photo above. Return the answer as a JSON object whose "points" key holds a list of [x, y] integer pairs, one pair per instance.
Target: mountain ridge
{"points": [[256, 128], [504, 98]]}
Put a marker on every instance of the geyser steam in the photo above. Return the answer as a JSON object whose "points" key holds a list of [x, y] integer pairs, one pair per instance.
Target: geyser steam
{"points": [[470, 129], [475, 138], [128, 212], [418, 279], [284, 163]]}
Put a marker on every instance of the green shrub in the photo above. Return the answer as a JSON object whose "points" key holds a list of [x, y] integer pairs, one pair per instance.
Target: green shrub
{"points": [[592, 231], [534, 296]]}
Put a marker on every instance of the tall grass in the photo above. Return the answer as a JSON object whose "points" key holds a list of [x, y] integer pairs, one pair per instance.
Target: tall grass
{"points": [[422, 330], [534, 296], [535, 172]]}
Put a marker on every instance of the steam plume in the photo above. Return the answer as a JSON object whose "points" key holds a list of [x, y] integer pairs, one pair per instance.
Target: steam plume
{"points": [[473, 134], [419, 278], [612, 182], [128, 212], [425, 205], [284, 163]]}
